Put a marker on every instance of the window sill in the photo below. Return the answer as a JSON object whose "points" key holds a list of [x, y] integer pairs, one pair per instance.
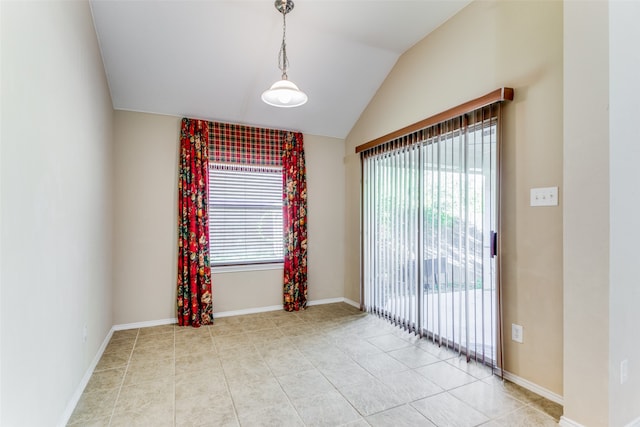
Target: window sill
{"points": [[247, 267]]}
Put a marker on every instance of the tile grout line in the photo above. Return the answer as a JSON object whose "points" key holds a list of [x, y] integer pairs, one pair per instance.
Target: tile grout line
{"points": [[376, 379], [228, 387], [329, 381], [226, 382], [333, 342], [113, 410], [279, 383]]}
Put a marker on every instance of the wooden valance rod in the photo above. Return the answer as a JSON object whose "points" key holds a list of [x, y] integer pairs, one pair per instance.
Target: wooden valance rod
{"points": [[502, 94]]}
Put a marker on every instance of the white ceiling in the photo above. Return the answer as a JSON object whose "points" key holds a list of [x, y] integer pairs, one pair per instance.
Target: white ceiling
{"points": [[213, 59]]}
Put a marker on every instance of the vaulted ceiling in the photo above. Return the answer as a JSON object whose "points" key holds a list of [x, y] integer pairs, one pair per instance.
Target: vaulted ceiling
{"points": [[213, 59]]}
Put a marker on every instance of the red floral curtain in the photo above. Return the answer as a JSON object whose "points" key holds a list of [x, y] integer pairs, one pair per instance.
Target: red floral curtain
{"points": [[294, 210], [195, 302]]}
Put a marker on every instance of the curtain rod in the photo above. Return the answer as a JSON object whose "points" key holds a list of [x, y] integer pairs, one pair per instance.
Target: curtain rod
{"points": [[502, 94]]}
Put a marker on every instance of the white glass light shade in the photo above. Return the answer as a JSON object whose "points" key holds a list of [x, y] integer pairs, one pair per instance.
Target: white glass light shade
{"points": [[284, 93]]}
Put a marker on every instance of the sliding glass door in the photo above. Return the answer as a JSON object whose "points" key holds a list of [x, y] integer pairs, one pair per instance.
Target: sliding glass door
{"points": [[429, 243]]}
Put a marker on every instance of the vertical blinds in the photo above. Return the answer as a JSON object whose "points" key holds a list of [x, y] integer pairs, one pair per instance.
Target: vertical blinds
{"points": [[429, 216], [245, 214]]}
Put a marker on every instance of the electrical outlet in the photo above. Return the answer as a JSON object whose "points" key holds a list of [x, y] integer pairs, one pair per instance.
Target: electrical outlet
{"points": [[516, 333], [84, 334], [624, 371]]}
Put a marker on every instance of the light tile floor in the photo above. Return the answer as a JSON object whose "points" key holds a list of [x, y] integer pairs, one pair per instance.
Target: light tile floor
{"points": [[330, 365]]}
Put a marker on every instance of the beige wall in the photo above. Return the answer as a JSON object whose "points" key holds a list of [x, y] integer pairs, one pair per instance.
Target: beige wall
{"points": [[326, 190], [145, 217], [145, 221], [56, 207], [487, 45], [352, 225]]}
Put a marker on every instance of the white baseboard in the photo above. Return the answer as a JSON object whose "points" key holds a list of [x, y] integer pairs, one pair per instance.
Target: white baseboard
{"points": [[351, 302], [279, 307], [247, 311], [325, 301], [145, 324], [229, 313], [534, 388], [566, 422], [73, 402]]}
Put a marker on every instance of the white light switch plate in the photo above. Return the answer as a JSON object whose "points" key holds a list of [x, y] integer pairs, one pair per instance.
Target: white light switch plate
{"points": [[547, 196]]}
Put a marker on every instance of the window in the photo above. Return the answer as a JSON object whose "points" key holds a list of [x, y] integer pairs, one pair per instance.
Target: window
{"points": [[245, 214]]}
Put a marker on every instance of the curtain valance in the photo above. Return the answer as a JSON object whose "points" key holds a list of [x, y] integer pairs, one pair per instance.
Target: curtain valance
{"points": [[246, 145], [442, 130], [429, 127]]}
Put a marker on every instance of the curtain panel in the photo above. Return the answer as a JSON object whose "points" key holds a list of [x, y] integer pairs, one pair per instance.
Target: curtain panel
{"points": [[294, 213], [195, 302]]}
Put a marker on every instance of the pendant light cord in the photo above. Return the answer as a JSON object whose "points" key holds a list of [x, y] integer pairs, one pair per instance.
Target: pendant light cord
{"points": [[283, 61]]}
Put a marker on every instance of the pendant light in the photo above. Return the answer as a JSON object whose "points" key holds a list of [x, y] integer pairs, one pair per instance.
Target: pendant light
{"points": [[284, 93]]}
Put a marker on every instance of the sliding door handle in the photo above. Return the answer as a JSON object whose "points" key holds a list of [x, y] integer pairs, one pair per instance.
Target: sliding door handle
{"points": [[494, 243]]}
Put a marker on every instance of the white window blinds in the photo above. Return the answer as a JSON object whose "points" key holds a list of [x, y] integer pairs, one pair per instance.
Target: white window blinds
{"points": [[245, 214]]}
